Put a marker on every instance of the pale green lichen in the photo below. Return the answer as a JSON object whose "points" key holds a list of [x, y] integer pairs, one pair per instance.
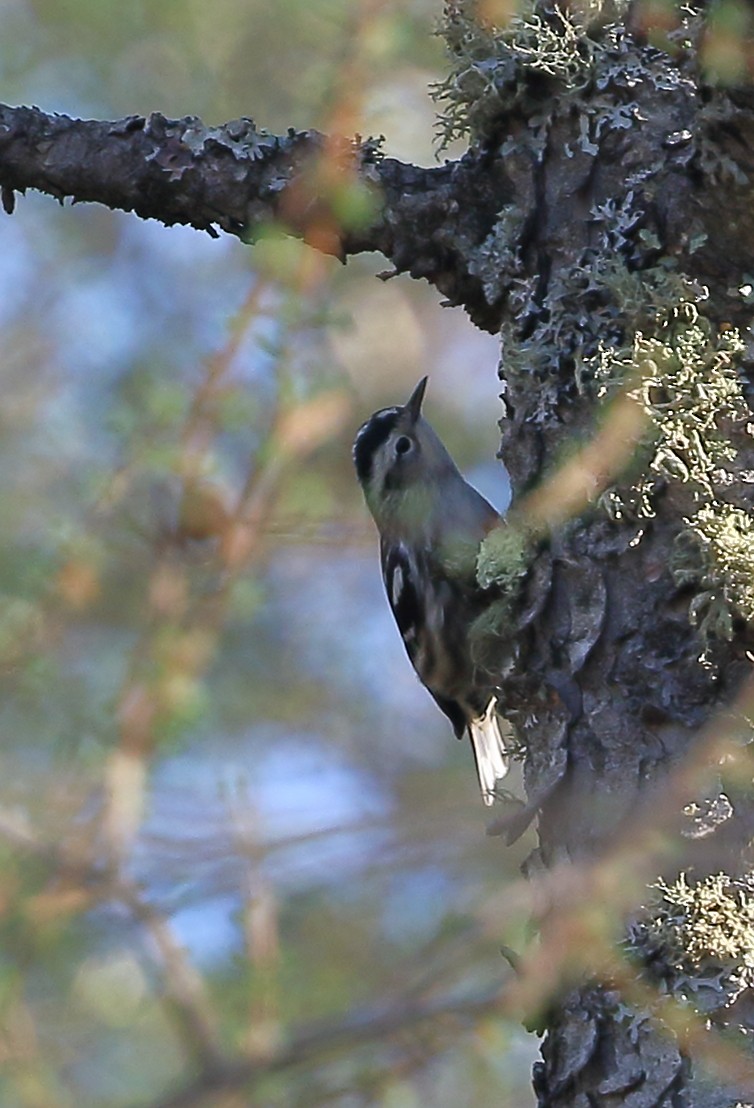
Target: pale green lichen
{"points": [[716, 555], [583, 316], [699, 938], [503, 558], [497, 260], [690, 389], [557, 50], [684, 373], [503, 561], [684, 376], [583, 332], [491, 65], [659, 302], [681, 370], [689, 386], [498, 69]]}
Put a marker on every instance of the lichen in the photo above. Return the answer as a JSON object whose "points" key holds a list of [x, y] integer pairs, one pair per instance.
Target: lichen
{"points": [[684, 373], [497, 260], [492, 66], [503, 562], [698, 938], [498, 70], [503, 558], [581, 323], [716, 554], [689, 387], [621, 318], [687, 382], [680, 369]]}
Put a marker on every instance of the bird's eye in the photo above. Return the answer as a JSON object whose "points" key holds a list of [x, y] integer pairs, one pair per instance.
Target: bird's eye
{"points": [[403, 444]]}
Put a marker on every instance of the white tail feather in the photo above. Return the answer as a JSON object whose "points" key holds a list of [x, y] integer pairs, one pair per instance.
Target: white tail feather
{"points": [[489, 751]]}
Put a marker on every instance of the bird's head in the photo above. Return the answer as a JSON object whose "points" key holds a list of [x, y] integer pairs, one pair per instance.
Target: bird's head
{"points": [[400, 461]]}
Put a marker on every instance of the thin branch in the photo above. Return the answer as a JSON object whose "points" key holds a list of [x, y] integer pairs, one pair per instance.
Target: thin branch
{"points": [[184, 987], [359, 1028]]}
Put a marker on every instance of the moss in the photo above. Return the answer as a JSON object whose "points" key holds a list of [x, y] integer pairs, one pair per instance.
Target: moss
{"points": [[699, 938]]}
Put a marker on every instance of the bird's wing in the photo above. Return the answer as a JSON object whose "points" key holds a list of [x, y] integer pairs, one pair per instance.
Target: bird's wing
{"points": [[400, 573], [422, 602]]}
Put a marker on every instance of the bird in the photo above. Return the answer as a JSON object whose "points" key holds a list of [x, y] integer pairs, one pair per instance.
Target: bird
{"points": [[431, 523]]}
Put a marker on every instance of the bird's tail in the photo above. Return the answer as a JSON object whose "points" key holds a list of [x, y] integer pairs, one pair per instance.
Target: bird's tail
{"points": [[489, 750]]}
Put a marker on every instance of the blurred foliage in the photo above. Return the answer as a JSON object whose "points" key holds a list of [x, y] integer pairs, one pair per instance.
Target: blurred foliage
{"points": [[237, 840], [283, 64], [228, 812]]}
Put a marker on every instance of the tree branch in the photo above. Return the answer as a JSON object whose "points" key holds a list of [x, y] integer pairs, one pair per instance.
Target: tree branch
{"points": [[238, 178], [360, 1027]]}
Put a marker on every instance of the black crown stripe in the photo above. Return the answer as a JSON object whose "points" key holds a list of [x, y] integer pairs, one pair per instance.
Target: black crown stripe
{"points": [[370, 437]]}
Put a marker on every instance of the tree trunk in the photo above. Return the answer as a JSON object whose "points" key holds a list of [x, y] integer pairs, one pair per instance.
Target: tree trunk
{"points": [[621, 270]]}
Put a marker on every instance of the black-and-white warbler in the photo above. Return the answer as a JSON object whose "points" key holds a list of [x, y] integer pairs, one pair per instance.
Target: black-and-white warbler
{"points": [[431, 524]]}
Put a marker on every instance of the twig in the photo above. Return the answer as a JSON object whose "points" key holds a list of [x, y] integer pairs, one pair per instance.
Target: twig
{"points": [[366, 1026], [184, 987]]}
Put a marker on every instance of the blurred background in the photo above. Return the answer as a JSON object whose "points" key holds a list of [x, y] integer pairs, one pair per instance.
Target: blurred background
{"points": [[228, 810]]}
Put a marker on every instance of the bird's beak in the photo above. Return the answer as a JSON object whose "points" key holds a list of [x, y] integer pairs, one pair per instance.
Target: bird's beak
{"points": [[414, 402]]}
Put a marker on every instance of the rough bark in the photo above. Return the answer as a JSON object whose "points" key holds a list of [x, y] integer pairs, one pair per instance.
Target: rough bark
{"points": [[597, 199], [634, 168], [239, 179]]}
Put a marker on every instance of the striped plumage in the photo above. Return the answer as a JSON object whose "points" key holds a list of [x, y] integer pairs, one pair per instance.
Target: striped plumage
{"points": [[431, 523]]}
